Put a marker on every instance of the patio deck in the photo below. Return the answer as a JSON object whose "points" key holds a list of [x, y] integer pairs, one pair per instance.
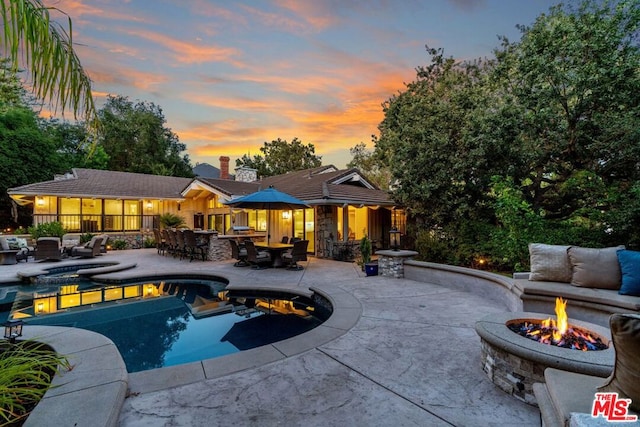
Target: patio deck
{"points": [[412, 358]]}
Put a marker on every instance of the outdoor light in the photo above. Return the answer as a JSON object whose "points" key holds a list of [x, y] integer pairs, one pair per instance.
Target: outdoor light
{"points": [[394, 238], [149, 205], [12, 330], [39, 201], [286, 214], [40, 307]]}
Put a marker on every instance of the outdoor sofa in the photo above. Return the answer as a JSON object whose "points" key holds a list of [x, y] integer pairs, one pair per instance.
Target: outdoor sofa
{"points": [[595, 282]]}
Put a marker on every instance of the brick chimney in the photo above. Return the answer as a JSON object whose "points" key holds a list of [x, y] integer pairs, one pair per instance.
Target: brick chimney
{"points": [[224, 167]]}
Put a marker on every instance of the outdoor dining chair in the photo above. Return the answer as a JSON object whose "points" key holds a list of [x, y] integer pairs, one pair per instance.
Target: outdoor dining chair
{"points": [[297, 253], [239, 254], [256, 258], [191, 246]]}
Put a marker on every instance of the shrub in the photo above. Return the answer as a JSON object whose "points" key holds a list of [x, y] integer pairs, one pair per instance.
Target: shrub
{"points": [[84, 238], [26, 371], [149, 242], [365, 250], [47, 229], [119, 244], [169, 220]]}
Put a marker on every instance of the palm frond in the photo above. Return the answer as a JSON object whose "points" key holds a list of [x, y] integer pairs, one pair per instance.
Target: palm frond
{"points": [[31, 39]]}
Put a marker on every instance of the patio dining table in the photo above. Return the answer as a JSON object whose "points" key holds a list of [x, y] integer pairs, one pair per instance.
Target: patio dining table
{"points": [[275, 249]]}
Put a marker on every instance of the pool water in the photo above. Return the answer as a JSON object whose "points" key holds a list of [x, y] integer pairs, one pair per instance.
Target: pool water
{"points": [[156, 328]]}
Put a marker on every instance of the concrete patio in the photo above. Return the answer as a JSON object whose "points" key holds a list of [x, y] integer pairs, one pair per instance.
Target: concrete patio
{"points": [[412, 358]]}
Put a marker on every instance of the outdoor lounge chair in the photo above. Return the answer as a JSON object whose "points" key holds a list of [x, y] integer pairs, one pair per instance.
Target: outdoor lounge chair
{"points": [[297, 253], [256, 258], [89, 249], [48, 248], [238, 253]]}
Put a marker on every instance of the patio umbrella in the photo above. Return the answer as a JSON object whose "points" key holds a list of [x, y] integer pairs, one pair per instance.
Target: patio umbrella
{"points": [[269, 199]]}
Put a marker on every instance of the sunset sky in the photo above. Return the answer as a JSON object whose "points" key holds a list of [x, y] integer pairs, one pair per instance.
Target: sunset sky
{"points": [[230, 75]]}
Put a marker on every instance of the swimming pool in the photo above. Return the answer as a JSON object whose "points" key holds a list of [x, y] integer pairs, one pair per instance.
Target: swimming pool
{"points": [[163, 323]]}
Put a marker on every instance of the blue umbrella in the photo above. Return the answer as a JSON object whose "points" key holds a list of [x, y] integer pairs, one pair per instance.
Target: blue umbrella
{"points": [[268, 199]]}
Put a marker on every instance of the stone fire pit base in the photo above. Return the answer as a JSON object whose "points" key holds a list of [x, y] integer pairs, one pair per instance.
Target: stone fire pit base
{"points": [[514, 363]]}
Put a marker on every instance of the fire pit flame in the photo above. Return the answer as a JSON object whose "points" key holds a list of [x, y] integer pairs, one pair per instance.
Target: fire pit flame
{"points": [[557, 332]]}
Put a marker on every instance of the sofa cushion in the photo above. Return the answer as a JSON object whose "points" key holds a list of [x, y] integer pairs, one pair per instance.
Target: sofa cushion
{"points": [[549, 263], [625, 379], [595, 268], [570, 392], [587, 296], [630, 268]]}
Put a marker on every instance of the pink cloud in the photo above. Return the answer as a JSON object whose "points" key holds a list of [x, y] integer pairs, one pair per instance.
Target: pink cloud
{"points": [[190, 53]]}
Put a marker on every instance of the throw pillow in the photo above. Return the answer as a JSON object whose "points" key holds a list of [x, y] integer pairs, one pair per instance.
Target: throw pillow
{"points": [[625, 378], [549, 263], [630, 268], [595, 268]]}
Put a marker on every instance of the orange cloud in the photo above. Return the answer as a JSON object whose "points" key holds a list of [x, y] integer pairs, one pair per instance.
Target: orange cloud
{"points": [[190, 53]]}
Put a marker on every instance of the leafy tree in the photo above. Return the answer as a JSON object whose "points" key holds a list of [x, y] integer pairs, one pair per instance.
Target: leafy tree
{"points": [[135, 139], [46, 49], [279, 157], [540, 143], [75, 144], [366, 162], [32, 149], [428, 139], [573, 90]]}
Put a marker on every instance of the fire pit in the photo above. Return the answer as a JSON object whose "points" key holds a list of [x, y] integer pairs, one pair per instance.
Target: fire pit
{"points": [[513, 361]]}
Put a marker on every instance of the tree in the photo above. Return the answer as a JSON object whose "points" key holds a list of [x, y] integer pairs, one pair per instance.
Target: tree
{"points": [[135, 139], [279, 157], [573, 89], [367, 162], [428, 139], [539, 143], [46, 48]]}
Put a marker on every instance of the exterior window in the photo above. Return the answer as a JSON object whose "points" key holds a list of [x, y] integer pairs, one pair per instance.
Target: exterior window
{"points": [[215, 202], [91, 215], [357, 223], [303, 226], [258, 219], [70, 213], [131, 215], [112, 215], [221, 223]]}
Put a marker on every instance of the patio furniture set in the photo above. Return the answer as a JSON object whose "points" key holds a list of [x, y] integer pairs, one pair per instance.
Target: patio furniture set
{"points": [[15, 249], [264, 254], [180, 243]]}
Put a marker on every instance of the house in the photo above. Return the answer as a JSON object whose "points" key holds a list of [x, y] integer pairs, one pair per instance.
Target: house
{"points": [[343, 205]]}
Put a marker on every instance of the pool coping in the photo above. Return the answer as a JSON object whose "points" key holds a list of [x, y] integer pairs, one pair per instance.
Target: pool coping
{"points": [[100, 380], [346, 313]]}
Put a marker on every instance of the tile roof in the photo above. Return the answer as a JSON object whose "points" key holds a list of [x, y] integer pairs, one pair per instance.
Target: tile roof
{"points": [[328, 185], [108, 184], [230, 187], [317, 186]]}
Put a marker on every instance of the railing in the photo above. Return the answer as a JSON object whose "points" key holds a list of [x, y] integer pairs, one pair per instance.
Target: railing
{"points": [[99, 223]]}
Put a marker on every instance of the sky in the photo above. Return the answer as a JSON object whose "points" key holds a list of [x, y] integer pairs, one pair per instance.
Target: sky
{"points": [[231, 75]]}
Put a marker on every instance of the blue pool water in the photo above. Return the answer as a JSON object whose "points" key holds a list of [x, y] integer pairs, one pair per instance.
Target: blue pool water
{"points": [[154, 327]]}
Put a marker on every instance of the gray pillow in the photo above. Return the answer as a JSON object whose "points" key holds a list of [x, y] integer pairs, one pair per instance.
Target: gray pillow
{"points": [[549, 263], [595, 268]]}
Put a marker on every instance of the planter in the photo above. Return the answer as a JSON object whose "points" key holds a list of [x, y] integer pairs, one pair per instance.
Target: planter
{"points": [[371, 269]]}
